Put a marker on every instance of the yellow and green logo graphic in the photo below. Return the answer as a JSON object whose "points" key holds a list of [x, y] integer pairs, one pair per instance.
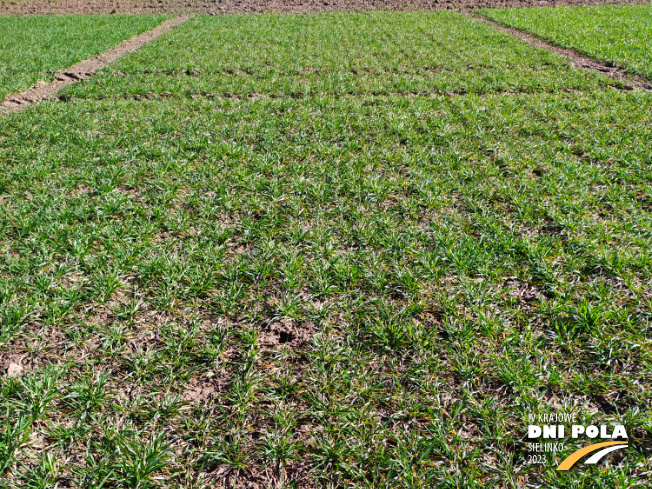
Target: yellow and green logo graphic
{"points": [[605, 449]]}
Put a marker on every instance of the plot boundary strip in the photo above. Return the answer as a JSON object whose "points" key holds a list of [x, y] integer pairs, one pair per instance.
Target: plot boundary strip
{"points": [[581, 61], [48, 90]]}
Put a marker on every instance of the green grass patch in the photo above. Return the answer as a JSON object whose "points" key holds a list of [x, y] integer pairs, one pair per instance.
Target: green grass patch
{"points": [[34, 48], [380, 53], [324, 251], [620, 34], [370, 290]]}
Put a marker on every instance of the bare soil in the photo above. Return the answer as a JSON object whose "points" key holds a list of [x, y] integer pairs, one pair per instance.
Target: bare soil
{"points": [[287, 333], [48, 90], [203, 390], [216, 7]]}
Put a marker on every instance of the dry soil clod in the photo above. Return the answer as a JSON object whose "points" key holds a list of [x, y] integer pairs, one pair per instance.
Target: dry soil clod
{"points": [[14, 370]]}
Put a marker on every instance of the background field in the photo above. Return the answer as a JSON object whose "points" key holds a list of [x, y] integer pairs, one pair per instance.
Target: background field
{"points": [[226, 266], [221, 7], [619, 34], [34, 48], [336, 54]]}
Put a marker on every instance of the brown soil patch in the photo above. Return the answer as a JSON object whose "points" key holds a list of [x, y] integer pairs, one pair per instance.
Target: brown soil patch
{"points": [[524, 291], [48, 90], [205, 389], [286, 333], [13, 364], [216, 7], [578, 60], [262, 476]]}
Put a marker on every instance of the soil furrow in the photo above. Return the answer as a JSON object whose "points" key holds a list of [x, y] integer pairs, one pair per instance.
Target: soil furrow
{"points": [[333, 95], [47, 90]]}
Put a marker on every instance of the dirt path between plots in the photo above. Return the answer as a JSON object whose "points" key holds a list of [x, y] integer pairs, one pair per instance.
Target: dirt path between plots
{"points": [[630, 81], [47, 90], [31, 7]]}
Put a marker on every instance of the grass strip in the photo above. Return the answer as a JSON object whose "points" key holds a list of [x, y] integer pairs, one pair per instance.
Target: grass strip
{"points": [[620, 34], [336, 54]]}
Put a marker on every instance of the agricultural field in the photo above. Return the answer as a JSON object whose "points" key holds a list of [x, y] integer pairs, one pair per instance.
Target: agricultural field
{"points": [[34, 48], [222, 7], [335, 250], [335, 55], [614, 33]]}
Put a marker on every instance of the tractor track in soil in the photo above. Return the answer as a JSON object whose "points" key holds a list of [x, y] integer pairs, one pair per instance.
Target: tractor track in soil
{"points": [[44, 90], [631, 81]]}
